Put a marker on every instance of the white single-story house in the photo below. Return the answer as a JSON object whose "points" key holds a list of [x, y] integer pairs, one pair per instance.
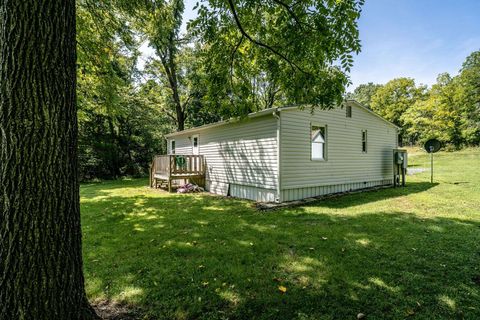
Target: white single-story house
{"points": [[290, 153]]}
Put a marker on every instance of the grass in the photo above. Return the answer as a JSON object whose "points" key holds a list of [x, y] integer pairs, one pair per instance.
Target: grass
{"points": [[389, 254]]}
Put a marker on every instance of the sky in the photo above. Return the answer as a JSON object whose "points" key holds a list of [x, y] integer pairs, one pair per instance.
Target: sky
{"points": [[415, 38], [408, 38]]}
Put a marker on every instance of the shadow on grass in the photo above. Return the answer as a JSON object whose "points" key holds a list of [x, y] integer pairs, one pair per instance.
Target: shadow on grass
{"points": [[203, 257], [375, 195]]}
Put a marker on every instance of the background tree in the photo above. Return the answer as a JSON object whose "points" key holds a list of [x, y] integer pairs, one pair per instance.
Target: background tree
{"points": [[119, 128], [161, 22], [190, 89], [468, 84], [451, 111], [393, 99], [364, 93], [437, 116], [41, 274]]}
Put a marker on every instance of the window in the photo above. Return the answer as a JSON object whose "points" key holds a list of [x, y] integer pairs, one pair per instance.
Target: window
{"points": [[319, 142], [172, 146], [364, 141], [195, 144], [348, 110]]}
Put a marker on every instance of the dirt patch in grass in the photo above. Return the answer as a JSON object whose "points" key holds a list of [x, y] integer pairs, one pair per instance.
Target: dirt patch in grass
{"points": [[109, 310]]}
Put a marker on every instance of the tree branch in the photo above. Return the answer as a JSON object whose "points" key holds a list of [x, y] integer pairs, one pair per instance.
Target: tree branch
{"points": [[290, 11], [186, 102], [168, 113], [233, 57], [258, 43]]}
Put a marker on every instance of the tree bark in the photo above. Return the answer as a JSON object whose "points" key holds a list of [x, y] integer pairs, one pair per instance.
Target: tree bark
{"points": [[41, 273], [171, 72]]}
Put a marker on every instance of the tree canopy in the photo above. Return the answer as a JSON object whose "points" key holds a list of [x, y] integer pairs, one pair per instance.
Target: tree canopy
{"points": [[265, 53], [364, 93], [451, 110]]}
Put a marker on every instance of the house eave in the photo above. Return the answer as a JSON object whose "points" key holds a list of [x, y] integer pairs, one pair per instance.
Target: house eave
{"points": [[265, 112], [252, 115]]}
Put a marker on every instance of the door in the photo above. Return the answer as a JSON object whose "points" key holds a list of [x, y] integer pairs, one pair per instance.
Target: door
{"points": [[195, 144]]}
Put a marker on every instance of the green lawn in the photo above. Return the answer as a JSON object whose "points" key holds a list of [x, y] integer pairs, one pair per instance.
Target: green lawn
{"points": [[390, 254]]}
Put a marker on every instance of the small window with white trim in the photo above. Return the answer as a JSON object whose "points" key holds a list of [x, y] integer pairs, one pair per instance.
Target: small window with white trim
{"points": [[364, 141], [318, 135], [172, 146]]}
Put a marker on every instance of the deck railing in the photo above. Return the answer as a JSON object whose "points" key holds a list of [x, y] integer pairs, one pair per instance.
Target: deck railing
{"points": [[186, 165], [174, 166]]}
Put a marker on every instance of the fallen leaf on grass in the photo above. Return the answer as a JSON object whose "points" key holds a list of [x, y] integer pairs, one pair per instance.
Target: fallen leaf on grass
{"points": [[282, 289]]}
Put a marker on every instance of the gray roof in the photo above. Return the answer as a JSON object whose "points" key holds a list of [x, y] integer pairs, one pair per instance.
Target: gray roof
{"points": [[266, 112]]}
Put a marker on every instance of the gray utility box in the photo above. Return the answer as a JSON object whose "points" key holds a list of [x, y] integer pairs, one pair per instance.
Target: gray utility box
{"points": [[400, 164]]}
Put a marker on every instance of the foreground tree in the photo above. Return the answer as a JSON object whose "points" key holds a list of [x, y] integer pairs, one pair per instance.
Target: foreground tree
{"points": [[270, 53], [41, 274]]}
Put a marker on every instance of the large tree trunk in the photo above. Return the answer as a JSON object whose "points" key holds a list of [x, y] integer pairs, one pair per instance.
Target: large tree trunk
{"points": [[40, 238], [171, 72]]}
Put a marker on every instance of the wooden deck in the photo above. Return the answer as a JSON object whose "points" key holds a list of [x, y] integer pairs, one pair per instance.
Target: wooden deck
{"points": [[166, 168]]}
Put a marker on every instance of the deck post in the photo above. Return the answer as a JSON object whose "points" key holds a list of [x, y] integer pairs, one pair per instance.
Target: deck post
{"points": [[170, 172], [151, 174]]}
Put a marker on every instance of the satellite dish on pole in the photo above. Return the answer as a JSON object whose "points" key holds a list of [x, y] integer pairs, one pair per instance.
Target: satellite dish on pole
{"points": [[432, 146]]}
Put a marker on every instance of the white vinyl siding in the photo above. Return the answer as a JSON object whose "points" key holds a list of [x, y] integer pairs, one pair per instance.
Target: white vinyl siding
{"points": [[239, 154], [347, 164]]}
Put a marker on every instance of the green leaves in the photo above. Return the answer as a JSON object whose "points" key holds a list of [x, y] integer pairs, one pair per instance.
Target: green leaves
{"points": [[448, 111], [270, 53], [451, 112], [364, 93], [395, 97]]}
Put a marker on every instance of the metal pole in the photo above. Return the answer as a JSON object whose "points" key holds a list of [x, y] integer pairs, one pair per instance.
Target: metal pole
{"points": [[431, 167]]}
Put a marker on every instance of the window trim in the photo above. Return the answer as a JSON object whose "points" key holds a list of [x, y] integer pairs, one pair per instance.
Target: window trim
{"points": [[172, 146], [364, 140], [325, 145]]}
